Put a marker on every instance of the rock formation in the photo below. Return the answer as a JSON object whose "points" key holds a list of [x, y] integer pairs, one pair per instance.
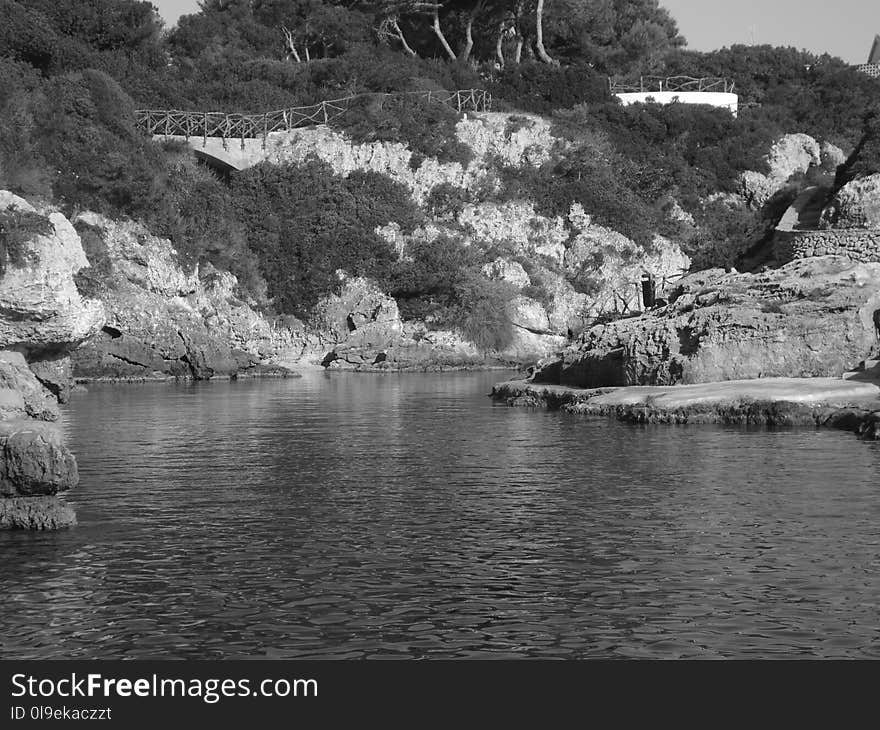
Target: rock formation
{"points": [[812, 317], [856, 205], [166, 321], [789, 155], [42, 318]]}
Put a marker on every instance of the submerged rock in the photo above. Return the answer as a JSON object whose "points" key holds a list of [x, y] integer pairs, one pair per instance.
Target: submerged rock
{"points": [[869, 428], [36, 513]]}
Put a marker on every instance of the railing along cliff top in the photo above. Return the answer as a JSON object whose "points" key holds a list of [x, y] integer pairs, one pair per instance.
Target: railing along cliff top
{"points": [[671, 83], [174, 122]]}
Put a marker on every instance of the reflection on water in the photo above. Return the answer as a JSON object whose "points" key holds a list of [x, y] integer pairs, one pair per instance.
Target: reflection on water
{"points": [[374, 516]]}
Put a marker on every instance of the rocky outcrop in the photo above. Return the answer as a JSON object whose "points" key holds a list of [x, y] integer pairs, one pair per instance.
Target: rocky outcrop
{"points": [[825, 402], [164, 321], [789, 155], [41, 310], [856, 205], [42, 318], [813, 317], [361, 329]]}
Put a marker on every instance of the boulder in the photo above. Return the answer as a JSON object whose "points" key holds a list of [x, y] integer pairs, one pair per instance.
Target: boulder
{"points": [[21, 394], [856, 205], [35, 461], [361, 315], [869, 428], [503, 269], [812, 317], [43, 313], [36, 513], [789, 155], [56, 375]]}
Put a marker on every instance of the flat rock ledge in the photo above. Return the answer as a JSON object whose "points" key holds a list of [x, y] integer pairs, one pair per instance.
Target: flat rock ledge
{"points": [[830, 402]]}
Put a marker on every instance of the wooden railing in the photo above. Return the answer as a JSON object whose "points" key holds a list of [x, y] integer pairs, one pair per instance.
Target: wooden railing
{"points": [[671, 83], [174, 122]]}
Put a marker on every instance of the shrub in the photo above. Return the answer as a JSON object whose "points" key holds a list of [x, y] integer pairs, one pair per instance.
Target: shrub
{"points": [[479, 311], [426, 126], [539, 88], [17, 228], [447, 200], [304, 223], [440, 282], [95, 279], [724, 234]]}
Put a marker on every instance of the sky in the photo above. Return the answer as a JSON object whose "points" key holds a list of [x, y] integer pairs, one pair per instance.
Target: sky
{"points": [[844, 28]]}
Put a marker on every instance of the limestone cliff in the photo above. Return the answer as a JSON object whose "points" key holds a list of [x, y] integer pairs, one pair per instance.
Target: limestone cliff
{"points": [[813, 317], [42, 318], [164, 320], [578, 270]]}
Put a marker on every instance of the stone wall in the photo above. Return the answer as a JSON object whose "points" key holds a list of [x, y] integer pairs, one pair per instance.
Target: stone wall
{"points": [[856, 244]]}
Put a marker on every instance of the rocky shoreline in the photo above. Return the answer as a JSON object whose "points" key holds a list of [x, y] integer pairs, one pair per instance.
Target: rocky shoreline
{"points": [[818, 402]]}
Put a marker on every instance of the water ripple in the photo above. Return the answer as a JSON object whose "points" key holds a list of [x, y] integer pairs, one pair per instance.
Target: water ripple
{"points": [[406, 516]]}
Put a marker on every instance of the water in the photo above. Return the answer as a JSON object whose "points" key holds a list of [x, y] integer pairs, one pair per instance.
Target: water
{"points": [[407, 516]]}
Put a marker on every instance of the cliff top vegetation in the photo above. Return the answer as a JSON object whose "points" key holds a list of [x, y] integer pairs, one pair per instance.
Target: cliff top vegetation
{"points": [[72, 74]]}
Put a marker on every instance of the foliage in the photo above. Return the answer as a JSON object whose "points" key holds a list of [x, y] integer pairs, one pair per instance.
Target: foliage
{"points": [[537, 88], [440, 281], [723, 234], [94, 279], [425, 126], [304, 223], [17, 228], [865, 158]]}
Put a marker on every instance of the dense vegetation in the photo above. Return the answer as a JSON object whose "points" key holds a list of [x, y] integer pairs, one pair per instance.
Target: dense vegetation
{"points": [[72, 73]]}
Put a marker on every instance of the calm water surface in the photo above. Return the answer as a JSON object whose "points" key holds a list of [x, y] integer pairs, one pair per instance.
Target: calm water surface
{"points": [[407, 516]]}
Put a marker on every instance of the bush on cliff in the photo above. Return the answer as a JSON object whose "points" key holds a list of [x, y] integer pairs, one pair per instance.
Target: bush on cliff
{"points": [[304, 223], [102, 163], [439, 281], [22, 168], [425, 126], [540, 89], [17, 227]]}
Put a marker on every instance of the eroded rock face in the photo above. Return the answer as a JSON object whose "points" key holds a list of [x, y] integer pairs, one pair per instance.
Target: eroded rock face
{"points": [[35, 460], [21, 393], [856, 205], [36, 513], [165, 321], [42, 311], [813, 317], [790, 154], [42, 318]]}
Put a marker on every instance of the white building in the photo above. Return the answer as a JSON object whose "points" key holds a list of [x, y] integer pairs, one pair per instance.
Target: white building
{"points": [[715, 92]]}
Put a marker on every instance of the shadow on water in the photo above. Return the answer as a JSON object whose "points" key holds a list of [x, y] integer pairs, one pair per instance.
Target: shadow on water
{"points": [[381, 516]]}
